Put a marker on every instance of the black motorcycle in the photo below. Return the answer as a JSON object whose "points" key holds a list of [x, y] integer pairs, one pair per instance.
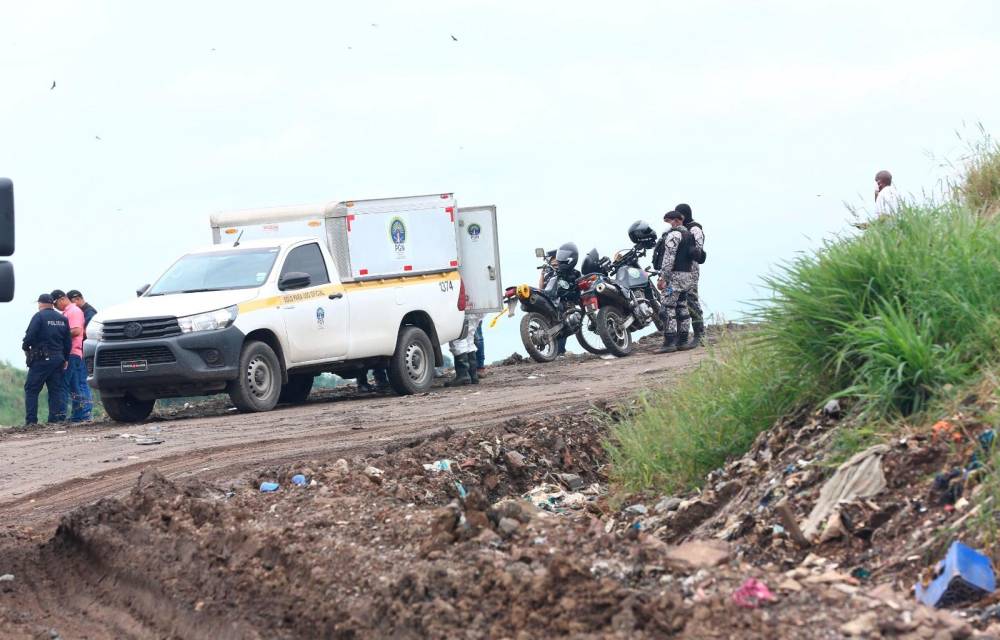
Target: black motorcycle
{"points": [[553, 312], [617, 295]]}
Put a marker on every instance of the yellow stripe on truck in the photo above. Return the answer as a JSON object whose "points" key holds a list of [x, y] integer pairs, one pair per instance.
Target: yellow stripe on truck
{"points": [[320, 292]]}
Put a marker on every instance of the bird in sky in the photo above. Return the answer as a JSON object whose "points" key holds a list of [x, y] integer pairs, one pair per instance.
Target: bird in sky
{"points": [[97, 137], [454, 38], [53, 85]]}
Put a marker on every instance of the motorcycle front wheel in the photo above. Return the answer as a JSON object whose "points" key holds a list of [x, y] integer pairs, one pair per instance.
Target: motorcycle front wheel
{"points": [[611, 326], [540, 346], [589, 338]]}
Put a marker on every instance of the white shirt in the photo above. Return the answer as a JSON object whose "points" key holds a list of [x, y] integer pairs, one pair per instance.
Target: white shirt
{"points": [[887, 201]]}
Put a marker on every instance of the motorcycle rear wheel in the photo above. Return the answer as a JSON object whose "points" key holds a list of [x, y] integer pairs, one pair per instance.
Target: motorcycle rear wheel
{"points": [[611, 326], [540, 346], [590, 339]]}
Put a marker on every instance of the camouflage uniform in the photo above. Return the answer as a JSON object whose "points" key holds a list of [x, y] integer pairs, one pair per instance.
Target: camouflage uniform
{"points": [[693, 302], [674, 311]]}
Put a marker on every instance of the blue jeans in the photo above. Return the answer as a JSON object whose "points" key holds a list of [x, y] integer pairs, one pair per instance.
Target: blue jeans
{"points": [[79, 393], [48, 373], [480, 348]]}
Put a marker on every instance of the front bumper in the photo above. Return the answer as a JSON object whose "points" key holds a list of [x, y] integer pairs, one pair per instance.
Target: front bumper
{"points": [[188, 364]]}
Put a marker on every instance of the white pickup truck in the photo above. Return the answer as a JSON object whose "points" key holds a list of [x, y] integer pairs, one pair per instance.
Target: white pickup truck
{"points": [[287, 293]]}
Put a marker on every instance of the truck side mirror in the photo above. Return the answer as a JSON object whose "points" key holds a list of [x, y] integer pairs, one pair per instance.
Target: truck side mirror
{"points": [[6, 217], [141, 290], [539, 252], [294, 280], [6, 281]]}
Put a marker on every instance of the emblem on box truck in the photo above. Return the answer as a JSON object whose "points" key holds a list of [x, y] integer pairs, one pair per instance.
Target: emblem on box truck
{"points": [[474, 231], [397, 233]]}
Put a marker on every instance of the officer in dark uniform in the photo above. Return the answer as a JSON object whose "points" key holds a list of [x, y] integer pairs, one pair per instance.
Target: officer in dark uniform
{"points": [[46, 346]]}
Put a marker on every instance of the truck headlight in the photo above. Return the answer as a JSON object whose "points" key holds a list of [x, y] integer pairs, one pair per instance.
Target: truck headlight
{"points": [[208, 321], [95, 330]]}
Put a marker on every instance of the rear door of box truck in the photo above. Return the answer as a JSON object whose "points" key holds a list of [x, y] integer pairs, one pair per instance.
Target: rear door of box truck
{"points": [[479, 256]]}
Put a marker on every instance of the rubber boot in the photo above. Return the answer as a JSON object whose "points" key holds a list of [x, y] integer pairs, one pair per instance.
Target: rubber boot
{"points": [[461, 372], [699, 333], [682, 342], [669, 343], [473, 370]]}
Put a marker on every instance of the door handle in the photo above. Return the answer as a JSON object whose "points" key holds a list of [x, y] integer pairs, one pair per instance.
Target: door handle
{"points": [[491, 271], [335, 296]]}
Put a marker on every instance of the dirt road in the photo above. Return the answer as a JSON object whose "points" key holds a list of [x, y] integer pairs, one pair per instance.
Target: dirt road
{"points": [[46, 473]]}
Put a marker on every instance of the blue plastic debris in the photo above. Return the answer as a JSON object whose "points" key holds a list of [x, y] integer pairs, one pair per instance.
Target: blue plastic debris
{"points": [[299, 480], [965, 575], [462, 493], [268, 487]]}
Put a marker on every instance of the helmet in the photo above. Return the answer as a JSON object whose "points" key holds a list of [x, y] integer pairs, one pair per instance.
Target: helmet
{"points": [[566, 256], [591, 263], [642, 234]]}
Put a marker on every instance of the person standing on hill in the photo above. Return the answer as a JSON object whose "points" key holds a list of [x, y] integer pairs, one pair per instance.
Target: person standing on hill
{"points": [[676, 281], [47, 344], [887, 200], [76, 371], [693, 301]]}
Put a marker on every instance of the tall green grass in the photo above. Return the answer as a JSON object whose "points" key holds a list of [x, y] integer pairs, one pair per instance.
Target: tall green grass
{"points": [[887, 317]]}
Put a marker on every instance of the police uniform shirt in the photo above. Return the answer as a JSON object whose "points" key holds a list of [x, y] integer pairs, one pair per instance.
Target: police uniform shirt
{"points": [[49, 332]]}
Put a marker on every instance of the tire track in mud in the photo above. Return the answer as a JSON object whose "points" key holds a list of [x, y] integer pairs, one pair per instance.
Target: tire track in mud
{"points": [[223, 446]]}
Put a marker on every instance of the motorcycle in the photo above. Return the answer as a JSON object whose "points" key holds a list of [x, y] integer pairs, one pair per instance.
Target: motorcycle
{"points": [[617, 295], [553, 311]]}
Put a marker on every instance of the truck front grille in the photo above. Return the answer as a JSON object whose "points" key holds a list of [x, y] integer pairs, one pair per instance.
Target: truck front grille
{"points": [[152, 355], [141, 329]]}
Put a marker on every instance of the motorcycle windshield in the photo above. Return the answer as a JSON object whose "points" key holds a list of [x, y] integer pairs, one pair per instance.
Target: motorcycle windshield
{"points": [[631, 277]]}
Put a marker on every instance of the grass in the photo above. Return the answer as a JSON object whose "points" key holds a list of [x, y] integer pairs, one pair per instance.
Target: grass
{"points": [[888, 318]]}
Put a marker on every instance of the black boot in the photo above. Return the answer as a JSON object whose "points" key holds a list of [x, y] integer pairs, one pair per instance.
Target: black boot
{"points": [[461, 372], [473, 371], [669, 343], [682, 342], [699, 333]]}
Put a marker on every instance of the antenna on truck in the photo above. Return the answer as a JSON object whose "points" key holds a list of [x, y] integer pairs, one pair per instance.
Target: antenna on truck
{"points": [[237, 243]]}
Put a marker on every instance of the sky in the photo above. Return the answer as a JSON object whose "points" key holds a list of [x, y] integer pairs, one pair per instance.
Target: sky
{"points": [[574, 118]]}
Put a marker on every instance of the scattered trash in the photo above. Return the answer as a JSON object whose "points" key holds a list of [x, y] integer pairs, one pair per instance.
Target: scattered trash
{"points": [[374, 473], [832, 409], [637, 509], [532, 378], [439, 465], [571, 480], [148, 441], [751, 594], [698, 554], [859, 477], [943, 429], [607, 356], [965, 575], [268, 487], [861, 573], [462, 493], [550, 497], [667, 505], [515, 459], [777, 530], [7, 577], [299, 480]]}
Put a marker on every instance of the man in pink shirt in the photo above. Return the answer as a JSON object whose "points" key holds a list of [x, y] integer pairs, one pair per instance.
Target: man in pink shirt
{"points": [[76, 370]]}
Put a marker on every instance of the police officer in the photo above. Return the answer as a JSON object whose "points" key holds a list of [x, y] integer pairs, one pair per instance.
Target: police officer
{"points": [[676, 281], [693, 301], [46, 345]]}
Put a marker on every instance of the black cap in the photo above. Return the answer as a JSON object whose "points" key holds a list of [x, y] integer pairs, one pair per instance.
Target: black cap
{"points": [[673, 215], [57, 293], [74, 293], [45, 299]]}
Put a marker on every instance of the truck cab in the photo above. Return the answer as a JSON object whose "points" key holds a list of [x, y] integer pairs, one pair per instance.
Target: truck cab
{"points": [[259, 318]]}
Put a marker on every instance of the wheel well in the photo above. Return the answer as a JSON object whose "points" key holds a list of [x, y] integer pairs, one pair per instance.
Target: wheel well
{"points": [[423, 321], [271, 340]]}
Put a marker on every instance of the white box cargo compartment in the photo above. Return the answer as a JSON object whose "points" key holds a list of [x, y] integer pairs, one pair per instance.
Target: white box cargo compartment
{"points": [[479, 255], [368, 239]]}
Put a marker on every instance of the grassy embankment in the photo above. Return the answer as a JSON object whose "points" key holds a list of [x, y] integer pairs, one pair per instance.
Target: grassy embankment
{"points": [[896, 319]]}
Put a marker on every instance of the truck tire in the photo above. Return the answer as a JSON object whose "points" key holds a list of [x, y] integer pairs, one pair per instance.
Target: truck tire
{"points": [[297, 390], [611, 326], [127, 408], [540, 348], [411, 367], [259, 383]]}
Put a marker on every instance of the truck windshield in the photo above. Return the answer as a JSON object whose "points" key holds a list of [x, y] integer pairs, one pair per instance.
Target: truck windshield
{"points": [[217, 271]]}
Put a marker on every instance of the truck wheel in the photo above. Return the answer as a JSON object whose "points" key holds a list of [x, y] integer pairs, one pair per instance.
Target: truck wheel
{"points": [[259, 383], [411, 367], [611, 326], [297, 390], [539, 345], [127, 409]]}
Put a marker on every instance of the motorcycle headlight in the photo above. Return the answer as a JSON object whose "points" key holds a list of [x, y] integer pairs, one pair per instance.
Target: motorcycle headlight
{"points": [[95, 330], [208, 321]]}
